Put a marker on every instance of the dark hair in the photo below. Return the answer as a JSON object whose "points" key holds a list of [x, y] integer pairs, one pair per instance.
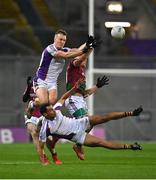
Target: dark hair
{"points": [[43, 108], [61, 31]]}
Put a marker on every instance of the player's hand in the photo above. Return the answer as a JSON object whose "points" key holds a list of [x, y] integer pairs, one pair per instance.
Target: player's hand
{"points": [[135, 146], [137, 111], [96, 43], [89, 40], [29, 80], [102, 81]]}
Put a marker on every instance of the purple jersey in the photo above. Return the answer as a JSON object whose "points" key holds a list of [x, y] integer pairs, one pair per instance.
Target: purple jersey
{"points": [[50, 67]]}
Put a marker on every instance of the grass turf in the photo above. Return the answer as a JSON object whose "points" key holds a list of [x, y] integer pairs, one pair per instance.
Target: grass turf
{"points": [[19, 161]]}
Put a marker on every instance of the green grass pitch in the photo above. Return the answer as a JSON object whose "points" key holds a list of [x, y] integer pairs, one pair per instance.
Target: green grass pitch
{"points": [[19, 161]]}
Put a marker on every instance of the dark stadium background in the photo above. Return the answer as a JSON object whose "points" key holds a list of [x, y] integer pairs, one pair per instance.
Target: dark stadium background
{"points": [[28, 26]]}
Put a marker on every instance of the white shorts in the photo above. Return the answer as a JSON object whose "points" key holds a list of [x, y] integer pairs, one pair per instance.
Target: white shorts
{"points": [[33, 120], [80, 136], [74, 103], [45, 84]]}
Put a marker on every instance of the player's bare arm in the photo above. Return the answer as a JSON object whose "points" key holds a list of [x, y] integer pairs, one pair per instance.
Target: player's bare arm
{"points": [[70, 92], [101, 81], [77, 52], [82, 60], [68, 55], [90, 91]]}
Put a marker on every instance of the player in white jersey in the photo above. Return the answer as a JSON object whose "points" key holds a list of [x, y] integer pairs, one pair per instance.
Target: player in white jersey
{"points": [[54, 123]]}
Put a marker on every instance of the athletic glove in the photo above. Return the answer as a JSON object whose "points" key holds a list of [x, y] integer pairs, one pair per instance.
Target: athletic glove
{"points": [[96, 43], [88, 44], [135, 146], [89, 40], [102, 81], [137, 111]]}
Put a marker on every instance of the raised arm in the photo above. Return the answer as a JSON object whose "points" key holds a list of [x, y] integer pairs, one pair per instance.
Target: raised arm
{"points": [[84, 48], [82, 60], [69, 54], [100, 83], [90, 91], [70, 92], [90, 44]]}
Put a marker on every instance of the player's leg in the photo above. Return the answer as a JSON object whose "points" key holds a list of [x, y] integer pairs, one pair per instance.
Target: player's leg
{"points": [[51, 146], [31, 107], [78, 148], [50, 142], [52, 96], [41, 89], [93, 141], [43, 95], [52, 89], [98, 119], [77, 107], [32, 130]]}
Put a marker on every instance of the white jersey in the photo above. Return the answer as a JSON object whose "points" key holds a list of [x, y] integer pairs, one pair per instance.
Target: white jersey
{"points": [[64, 127], [50, 67], [76, 106]]}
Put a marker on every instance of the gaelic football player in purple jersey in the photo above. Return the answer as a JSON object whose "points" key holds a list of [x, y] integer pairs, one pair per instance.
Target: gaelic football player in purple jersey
{"points": [[51, 65]]}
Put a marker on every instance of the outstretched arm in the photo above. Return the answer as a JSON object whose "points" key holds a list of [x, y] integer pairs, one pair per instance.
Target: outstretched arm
{"points": [[69, 54], [84, 48], [82, 60], [100, 83], [90, 91], [70, 92]]}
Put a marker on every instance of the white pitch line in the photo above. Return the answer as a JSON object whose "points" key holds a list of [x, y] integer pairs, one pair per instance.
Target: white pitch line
{"points": [[18, 162]]}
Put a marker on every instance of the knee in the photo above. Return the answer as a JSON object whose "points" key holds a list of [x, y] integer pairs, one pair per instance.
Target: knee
{"points": [[32, 130], [34, 133], [52, 100]]}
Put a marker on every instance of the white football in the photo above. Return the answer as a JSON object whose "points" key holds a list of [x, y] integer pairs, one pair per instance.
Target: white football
{"points": [[118, 32]]}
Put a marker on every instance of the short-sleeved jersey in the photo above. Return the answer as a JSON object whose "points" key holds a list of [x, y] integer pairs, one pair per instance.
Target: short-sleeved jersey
{"points": [[73, 74], [50, 67], [62, 126]]}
